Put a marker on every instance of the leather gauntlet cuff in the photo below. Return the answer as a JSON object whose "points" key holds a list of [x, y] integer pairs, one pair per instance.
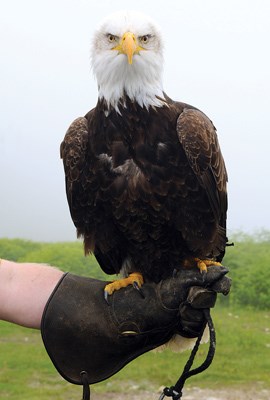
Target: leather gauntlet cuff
{"points": [[83, 335]]}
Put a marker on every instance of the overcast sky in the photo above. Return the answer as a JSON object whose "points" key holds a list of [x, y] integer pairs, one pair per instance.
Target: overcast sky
{"points": [[217, 58]]}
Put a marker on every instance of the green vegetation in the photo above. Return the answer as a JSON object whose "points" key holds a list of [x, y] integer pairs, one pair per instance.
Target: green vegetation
{"points": [[242, 323], [68, 256], [248, 262]]}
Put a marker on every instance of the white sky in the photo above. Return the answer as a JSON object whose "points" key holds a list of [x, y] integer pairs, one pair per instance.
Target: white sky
{"points": [[217, 58]]}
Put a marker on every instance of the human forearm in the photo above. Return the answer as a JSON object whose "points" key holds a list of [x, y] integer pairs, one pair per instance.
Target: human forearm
{"points": [[24, 291]]}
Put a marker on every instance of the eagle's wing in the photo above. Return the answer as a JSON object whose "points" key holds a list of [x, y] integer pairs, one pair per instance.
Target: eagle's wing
{"points": [[198, 137], [73, 151], [83, 178]]}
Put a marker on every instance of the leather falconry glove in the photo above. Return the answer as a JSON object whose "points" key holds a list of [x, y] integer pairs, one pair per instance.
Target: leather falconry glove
{"points": [[89, 341]]}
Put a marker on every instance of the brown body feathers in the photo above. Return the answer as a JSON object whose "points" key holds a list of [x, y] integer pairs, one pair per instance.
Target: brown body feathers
{"points": [[146, 187]]}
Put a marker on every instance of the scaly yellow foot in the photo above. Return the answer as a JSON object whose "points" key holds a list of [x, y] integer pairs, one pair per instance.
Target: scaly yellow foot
{"points": [[135, 278], [203, 264], [199, 263]]}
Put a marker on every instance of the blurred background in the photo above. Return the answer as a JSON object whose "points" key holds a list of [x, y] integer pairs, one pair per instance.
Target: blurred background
{"points": [[216, 58]]}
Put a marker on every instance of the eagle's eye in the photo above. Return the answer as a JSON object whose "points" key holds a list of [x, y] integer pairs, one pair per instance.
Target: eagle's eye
{"points": [[144, 39], [112, 38]]}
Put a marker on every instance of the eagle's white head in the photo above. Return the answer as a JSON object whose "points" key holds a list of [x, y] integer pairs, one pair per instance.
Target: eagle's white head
{"points": [[127, 60]]}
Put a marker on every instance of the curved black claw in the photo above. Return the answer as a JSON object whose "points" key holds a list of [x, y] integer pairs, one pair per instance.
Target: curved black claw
{"points": [[106, 297], [137, 287], [204, 274]]}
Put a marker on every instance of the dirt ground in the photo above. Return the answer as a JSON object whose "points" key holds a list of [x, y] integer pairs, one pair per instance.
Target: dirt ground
{"points": [[191, 394]]}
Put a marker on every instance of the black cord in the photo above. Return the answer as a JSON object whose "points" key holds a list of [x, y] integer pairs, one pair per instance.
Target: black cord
{"points": [[86, 387], [176, 391]]}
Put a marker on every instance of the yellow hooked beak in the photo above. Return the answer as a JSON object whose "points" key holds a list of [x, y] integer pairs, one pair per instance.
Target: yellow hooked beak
{"points": [[128, 45]]}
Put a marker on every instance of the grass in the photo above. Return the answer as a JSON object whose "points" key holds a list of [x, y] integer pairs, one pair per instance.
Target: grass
{"points": [[242, 359]]}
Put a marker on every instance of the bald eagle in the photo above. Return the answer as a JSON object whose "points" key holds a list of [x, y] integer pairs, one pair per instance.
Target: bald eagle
{"points": [[145, 177]]}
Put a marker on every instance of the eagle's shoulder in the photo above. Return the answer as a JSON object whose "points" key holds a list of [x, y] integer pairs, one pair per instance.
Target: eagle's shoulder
{"points": [[74, 137], [198, 137], [74, 145]]}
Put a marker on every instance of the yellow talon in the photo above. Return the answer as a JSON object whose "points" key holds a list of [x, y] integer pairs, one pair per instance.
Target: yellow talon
{"points": [[199, 263], [130, 280], [203, 264]]}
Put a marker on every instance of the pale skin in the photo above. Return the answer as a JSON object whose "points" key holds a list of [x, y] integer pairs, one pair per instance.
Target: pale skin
{"points": [[24, 291]]}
